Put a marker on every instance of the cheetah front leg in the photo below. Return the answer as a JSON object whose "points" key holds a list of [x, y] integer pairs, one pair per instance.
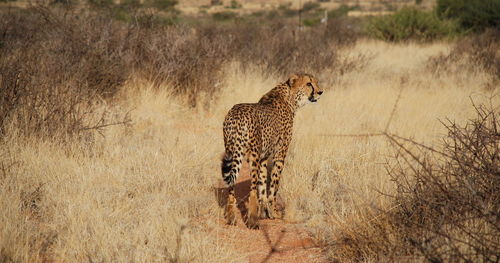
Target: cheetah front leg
{"points": [[273, 188], [253, 204]]}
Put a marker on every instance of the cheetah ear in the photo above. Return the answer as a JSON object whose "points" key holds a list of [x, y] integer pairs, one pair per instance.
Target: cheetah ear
{"points": [[291, 79]]}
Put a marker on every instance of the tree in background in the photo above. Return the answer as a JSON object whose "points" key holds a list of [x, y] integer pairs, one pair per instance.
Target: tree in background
{"points": [[472, 14]]}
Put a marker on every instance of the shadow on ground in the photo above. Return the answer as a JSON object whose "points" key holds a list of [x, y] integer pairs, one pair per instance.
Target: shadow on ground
{"points": [[241, 191]]}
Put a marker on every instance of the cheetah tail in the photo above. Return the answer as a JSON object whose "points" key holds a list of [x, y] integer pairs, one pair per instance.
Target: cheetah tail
{"points": [[228, 170]]}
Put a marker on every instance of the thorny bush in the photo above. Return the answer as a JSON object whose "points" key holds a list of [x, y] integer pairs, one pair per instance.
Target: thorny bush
{"points": [[447, 204]]}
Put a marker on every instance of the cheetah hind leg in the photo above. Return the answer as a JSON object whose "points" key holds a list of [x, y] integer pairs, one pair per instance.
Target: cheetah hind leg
{"points": [[253, 207], [229, 213], [262, 190], [268, 211], [230, 168], [253, 211], [264, 211], [273, 212]]}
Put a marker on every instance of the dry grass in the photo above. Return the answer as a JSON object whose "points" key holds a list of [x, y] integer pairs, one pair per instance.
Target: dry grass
{"points": [[144, 192], [480, 50]]}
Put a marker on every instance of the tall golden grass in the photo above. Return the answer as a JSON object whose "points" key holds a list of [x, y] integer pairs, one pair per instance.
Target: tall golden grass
{"points": [[144, 192]]}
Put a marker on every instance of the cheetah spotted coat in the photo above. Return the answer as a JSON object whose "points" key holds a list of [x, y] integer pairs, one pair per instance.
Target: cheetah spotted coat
{"points": [[261, 132]]}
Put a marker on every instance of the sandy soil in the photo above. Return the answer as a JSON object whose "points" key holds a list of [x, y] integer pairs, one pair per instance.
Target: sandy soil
{"points": [[275, 241]]}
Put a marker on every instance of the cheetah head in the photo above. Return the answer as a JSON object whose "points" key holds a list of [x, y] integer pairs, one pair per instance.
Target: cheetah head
{"points": [[304, 89]]}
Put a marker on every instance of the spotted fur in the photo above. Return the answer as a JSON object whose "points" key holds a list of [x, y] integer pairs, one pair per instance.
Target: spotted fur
{"points": [[261, 133]]}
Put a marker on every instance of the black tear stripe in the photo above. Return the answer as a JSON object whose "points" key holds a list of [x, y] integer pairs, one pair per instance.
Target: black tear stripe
{"points": [[311, 97]]}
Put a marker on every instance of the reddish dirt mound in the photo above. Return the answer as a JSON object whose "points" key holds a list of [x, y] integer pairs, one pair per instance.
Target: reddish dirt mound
{"points": [[275, 241]]}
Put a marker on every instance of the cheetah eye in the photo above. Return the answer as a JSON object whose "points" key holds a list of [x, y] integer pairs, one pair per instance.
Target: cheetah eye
{"points": [[309, 84]]}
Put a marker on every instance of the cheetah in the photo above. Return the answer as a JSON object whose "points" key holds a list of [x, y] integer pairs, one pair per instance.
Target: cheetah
{"points": [[261, 132]]}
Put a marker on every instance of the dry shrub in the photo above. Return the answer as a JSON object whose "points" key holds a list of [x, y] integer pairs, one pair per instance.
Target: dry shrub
{"points": [[64, 44], [189, 60], [192, 60], [55, 71], [473, 53], [446, 208], [450, 200], [59, 65], [281, 48]]}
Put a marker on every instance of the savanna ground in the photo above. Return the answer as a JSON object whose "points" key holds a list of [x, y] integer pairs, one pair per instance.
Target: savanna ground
{"points": [[140, 181]]}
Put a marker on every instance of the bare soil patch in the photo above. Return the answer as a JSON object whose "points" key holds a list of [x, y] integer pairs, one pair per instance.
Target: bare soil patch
{"points": [[275, 241]]}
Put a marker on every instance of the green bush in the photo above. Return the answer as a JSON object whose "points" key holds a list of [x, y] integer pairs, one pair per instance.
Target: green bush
{"points": [[130, 4], [167, 5], [215, 2], [234, 5], [311, 21], [310, 6], [286, 11], [225, 15], [258, 13], [66, 3], [101, 3], [411, 23], [341, 11], [471, 14]]}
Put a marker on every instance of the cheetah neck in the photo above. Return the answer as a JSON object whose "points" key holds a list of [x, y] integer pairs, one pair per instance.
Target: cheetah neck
{"points": [[281, 95]]}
